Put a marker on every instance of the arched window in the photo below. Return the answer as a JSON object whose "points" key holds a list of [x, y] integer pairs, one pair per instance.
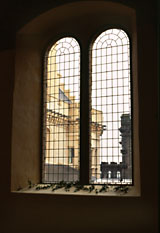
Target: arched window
{"points": [[48, 146], [109, 111], [118, 175], [109, 174], [111, 102], [62, 110]]}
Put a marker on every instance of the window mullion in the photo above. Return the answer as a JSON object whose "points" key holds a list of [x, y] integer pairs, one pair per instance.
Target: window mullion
{"points": [[84, 118]]}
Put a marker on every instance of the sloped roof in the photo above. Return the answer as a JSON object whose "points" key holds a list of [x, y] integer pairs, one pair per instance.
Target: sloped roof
{"points": [[63, 97]]}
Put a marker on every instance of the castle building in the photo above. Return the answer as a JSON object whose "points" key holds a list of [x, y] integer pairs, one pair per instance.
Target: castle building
{"points": [[126, 134], [122, 170]]}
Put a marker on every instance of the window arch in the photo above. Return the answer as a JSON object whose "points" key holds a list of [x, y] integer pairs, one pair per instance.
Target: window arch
{"points": [[30, 88], [62, 110]]}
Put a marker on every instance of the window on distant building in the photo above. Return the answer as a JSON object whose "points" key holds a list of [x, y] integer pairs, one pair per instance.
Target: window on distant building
{"points": [[71, 155], [48, 146], [109, 113]]}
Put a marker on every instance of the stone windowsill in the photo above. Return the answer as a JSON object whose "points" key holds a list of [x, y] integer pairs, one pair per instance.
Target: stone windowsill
{"points": [[132, 191]]}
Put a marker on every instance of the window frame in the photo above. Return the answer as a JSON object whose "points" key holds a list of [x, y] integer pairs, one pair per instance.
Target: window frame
{"points": [[85, 103]]}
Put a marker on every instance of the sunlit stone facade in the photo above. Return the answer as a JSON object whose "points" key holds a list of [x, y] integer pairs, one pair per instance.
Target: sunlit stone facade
{"points": [[62, 127]]}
